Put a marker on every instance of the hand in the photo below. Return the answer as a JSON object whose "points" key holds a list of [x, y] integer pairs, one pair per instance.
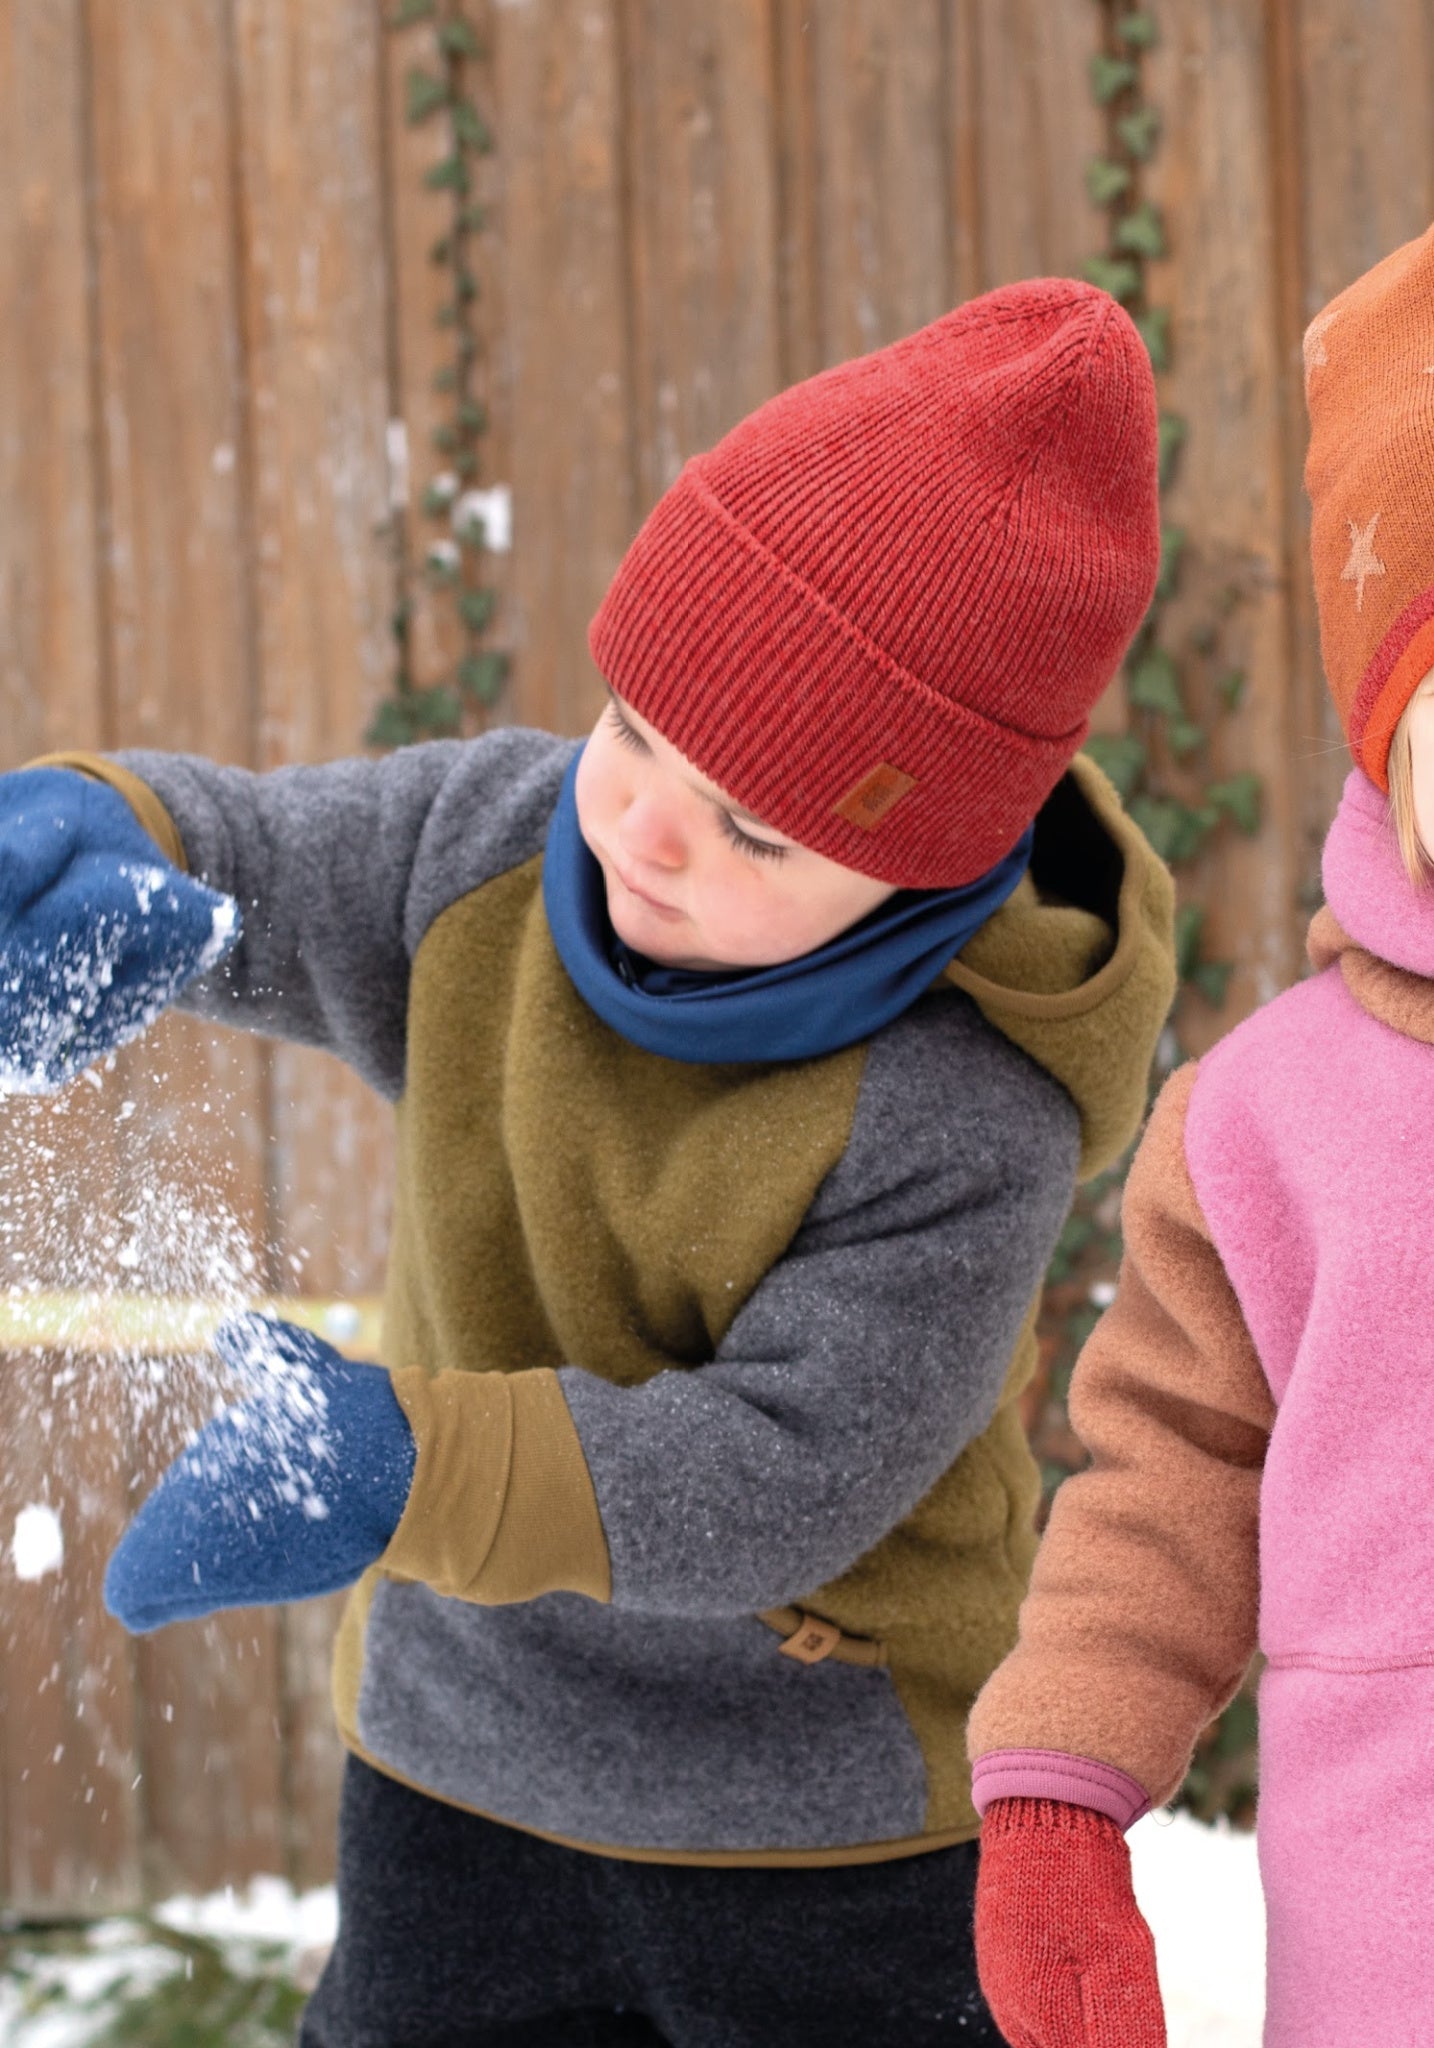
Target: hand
{"points": [[98, 931], [1065, 1958], [292, 1492]]}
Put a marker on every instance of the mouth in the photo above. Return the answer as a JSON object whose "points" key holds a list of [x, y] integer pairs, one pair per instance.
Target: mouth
{"points": [[654, 903]]}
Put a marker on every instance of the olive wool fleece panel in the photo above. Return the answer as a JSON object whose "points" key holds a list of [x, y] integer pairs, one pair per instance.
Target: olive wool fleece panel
{"points": [[1260, 1414], [723, 1509]]}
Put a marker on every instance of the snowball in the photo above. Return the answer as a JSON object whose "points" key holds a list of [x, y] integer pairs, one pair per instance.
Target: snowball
{"points": [[38, 1545]]}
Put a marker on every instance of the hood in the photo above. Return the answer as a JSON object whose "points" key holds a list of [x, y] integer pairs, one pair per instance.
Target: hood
{"points": [[1077, 967], [1375, 923]]}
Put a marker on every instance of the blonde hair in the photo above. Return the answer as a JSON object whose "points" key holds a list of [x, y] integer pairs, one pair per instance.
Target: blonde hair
{"points": [[1401, 798]]}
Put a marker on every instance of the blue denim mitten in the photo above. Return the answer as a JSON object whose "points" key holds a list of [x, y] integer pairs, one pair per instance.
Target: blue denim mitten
{"points": [[294, 1491], [98, 931]]}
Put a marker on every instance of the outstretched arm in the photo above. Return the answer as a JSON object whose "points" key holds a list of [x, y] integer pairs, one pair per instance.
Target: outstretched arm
{"points": [[338, 870]]}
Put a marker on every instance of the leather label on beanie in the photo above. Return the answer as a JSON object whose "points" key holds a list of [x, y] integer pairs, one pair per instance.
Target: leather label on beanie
{"points": [[874, 796]]}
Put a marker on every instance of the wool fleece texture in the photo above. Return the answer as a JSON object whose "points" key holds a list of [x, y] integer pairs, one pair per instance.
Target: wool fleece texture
{"points": [[722, 1509], [1260, 1416]]}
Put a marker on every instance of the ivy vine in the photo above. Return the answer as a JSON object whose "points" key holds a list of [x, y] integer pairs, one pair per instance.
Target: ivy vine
{"points": [[1173, 684], [458, 516]]}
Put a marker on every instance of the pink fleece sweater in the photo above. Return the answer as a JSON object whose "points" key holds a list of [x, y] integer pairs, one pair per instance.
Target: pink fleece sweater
{"points": [[1309, 1140]]}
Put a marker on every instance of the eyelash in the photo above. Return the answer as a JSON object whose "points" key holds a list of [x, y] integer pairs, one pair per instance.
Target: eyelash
{"points": [[755, 849]]}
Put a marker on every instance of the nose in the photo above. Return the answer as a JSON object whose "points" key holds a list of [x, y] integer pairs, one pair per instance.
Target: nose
{"points": [[650, 833]]}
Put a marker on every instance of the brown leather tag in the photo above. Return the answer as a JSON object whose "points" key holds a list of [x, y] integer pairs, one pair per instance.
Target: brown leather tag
{"points": [[814, 1640], [875, 795]]}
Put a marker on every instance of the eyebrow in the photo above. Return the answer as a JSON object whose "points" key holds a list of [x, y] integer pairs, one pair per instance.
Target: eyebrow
{"points": [[718, 803]]}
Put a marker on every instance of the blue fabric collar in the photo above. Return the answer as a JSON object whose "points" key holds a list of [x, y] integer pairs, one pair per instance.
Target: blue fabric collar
{"points": [[846, 990]]}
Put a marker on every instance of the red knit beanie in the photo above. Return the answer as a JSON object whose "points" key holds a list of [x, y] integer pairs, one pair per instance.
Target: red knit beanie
{"points": [[879, 611]]}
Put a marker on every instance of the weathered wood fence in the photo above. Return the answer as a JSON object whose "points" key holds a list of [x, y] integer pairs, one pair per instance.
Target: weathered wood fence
{"points": [[215, 297]]}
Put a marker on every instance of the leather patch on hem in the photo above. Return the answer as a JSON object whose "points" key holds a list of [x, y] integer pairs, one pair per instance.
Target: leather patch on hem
{"points": [[813, 1641], [875, 795]]}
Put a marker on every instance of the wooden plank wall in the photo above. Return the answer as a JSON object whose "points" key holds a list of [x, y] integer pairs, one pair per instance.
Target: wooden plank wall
{"points": [[213, 236]]}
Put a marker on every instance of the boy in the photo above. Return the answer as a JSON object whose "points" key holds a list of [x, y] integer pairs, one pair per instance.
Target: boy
{"points": [[693, 1507]]}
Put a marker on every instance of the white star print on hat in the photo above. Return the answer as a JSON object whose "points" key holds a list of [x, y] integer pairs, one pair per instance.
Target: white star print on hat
{"points": [[1363, 561]]}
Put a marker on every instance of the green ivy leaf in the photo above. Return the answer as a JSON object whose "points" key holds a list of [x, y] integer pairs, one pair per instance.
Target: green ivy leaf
{"points": [[1238, 1728], [1171, 430], [475, 608], [465, 287], [1185, 737], [1189, 925], [1238, 798], [473, 219], [1141, 232], [1109, 76], [1105, 180], [1136, 31], [447, 316], [410, 11], [1140, 131], [1175, 830], [473, 416], [1172, 543], [1153, 327], [445, 379], [439, 709], [471, 129], [424, 95], [1232, 688], [441, 251], [444, 439], [458, 38], [1120, 278], [483, 675], [451, 175], [1123, 757], [392, 725], [1154, 684], [1212, 978], [466, 464], [436, 501]]}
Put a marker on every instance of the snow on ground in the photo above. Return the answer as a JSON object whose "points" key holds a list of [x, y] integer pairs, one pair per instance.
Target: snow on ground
{"points": [[178, 1975], [1199, 1887]]}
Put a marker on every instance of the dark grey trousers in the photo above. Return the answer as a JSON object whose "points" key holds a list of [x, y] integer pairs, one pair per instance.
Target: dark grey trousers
{"points": [[455, 1932]]}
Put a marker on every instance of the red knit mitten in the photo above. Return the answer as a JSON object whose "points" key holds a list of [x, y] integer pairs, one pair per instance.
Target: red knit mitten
{"points": [[1065, 1958]]}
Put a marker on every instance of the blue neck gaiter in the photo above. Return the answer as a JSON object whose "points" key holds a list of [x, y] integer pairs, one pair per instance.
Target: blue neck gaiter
{"points": [[844, 991]]}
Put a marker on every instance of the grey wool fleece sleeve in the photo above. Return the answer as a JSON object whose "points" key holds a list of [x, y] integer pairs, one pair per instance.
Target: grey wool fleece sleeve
{"points": [[339, 869], [871, 1353]]}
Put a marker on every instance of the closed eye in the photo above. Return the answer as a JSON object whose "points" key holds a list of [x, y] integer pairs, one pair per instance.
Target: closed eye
{"points": [[627, 734], [758, 849]]}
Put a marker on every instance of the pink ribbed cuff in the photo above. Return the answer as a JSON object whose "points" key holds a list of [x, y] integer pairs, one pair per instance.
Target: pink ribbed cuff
{"points": [[1051, 1774]]}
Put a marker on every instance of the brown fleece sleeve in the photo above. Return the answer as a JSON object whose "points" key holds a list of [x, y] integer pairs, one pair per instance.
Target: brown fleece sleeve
{"points": [[1141, 1618], [141, 799], [502, 1507]]}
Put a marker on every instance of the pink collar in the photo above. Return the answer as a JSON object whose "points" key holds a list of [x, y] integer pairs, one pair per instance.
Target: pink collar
{"points": [[1366, 886]]}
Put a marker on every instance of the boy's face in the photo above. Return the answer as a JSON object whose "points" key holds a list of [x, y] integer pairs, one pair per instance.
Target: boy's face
{"points": [[692, 879]]}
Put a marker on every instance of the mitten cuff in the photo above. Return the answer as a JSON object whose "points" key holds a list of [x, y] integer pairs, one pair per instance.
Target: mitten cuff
{"points": [[148, 809], [502, 1507]]}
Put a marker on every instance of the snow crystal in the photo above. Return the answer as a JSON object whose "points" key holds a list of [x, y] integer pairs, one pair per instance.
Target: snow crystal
{"points": [[38, 1545], [221, 937]]}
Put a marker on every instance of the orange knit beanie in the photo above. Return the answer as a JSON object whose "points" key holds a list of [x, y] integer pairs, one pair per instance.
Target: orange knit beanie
{"points": [[1369, 380]]}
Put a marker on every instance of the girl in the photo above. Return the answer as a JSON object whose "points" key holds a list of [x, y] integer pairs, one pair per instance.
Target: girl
{"points": [[1258, 1400]]}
